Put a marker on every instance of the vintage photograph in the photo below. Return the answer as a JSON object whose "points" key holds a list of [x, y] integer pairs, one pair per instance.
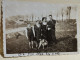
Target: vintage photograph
{"points": [[38, 27]]}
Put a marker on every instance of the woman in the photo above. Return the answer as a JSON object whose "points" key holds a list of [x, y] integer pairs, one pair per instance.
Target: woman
{"points": [[37, 29], [44, 28]]}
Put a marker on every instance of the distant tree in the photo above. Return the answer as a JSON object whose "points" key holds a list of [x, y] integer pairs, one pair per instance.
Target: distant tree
{"points": [[62, 14], [42, 15], [26, 18], [69, 11], [66, 14], [32, 17], [57, 16], [38, 18]]}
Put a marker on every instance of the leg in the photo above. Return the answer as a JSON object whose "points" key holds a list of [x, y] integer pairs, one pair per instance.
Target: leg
{"points": [[39, 45], [36, 44], [32, 43], [54, 37], [29, 44], [43, 46], [29, 41]]}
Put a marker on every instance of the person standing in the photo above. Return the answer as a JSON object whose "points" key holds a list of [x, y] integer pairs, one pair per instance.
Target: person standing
{"points": [[44, 28], [37, 29], [30, 35], [51, 30]]}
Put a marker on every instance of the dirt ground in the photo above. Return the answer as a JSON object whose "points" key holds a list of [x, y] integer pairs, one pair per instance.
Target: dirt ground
{"points": [[65, 43], [65, 34]]}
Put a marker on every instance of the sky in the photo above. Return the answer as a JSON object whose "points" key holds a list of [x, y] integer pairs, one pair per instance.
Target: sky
{"points": [[38, 9]]}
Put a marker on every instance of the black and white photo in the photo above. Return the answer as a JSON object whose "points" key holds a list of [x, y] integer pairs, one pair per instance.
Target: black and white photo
{"points": [[39, 27]]}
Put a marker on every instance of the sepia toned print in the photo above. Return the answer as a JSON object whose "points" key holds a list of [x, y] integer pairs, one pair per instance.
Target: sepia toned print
{"points": [[34, 28]]}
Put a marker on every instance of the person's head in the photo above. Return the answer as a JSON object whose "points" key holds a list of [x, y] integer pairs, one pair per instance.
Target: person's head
{"points": [[37, 22], [40, 21], [44, 19], [50, 16], [28, 25]]}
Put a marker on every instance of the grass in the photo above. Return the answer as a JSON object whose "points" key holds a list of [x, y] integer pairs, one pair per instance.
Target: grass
{"points": [[64, 44], [65, 33]]}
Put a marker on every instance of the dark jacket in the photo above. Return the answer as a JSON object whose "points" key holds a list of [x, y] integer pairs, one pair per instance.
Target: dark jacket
{"points": [[44, 31], [51, 24], [30, 34], [37, 32]]}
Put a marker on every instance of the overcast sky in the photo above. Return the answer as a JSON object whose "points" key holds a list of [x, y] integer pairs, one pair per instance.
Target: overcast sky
{"points": [[13, 8]]}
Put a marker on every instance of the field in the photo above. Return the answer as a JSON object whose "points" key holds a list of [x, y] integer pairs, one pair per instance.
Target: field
{"points": [[66, 41], [65, 44]]}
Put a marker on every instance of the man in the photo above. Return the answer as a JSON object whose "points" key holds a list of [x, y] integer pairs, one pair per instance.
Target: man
{"points": [[51, 30]]}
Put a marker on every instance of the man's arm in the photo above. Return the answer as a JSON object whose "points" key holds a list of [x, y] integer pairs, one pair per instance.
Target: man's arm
{"points": [[54, 21]]}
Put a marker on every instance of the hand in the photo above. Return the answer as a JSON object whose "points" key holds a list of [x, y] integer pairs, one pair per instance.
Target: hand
{"points": [[39, 39], [49, 28]]}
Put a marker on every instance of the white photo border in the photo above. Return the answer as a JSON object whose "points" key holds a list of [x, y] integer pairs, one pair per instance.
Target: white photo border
{"points": [[34, 54]]}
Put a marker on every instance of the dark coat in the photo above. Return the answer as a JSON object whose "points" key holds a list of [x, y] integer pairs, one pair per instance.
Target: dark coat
{"points": [[51, 24], [44, 31], [51, 33], [30, 34], [37, 32]]}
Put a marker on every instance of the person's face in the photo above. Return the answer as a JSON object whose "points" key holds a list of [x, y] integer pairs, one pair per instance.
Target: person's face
{"points": [[40, 21], [44, 20], [37, 22], [50, 17], [29, 25]]}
